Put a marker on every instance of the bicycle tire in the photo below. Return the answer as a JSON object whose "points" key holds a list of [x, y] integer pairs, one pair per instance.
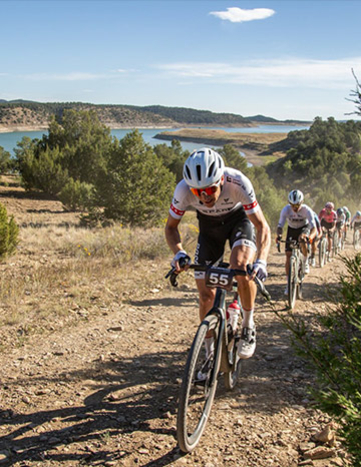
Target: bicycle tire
{"points": [[335, 244], [356, 239], [322, 252], [235, 365], [195, 401], [292, 282]]}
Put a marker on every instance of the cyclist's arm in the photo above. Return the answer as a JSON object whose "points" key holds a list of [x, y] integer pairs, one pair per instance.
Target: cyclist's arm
{"points": [[172, 234], [281, 222], [263, 236], [313, 233]]}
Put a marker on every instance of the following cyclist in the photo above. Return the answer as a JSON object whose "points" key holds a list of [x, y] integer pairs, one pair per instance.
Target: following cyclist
{"points": [[328, 219], [356, 221], [340, 225], [315, 240], [301, 227], [348, 219], [227, 209]]}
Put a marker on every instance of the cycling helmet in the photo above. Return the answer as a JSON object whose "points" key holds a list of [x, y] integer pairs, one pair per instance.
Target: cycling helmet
{"points": [[203, 168], [345, 208], [358, 213], [329, 205], [339, 211], [295, 197]]}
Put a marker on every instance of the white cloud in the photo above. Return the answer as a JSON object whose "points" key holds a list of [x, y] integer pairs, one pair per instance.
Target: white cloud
{"points": [[74, 76], [330, 74], [238, 15]]}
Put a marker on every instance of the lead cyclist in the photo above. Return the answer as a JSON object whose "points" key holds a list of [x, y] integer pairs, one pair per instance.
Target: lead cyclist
{"points": [[227, 210]]}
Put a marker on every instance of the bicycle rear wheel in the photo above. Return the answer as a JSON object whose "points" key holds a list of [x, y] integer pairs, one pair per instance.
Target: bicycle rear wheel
{"points": [[196, 397], [292, 282]]}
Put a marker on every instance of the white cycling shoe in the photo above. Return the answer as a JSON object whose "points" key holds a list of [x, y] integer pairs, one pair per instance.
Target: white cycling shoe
{"points": [[247, 343]]}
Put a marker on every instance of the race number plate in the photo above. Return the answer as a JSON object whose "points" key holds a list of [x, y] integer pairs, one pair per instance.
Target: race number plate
{"points": [[220, 277]]}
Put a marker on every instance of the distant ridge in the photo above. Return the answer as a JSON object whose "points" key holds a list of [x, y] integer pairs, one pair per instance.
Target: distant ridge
{"points": [[20, 113]]}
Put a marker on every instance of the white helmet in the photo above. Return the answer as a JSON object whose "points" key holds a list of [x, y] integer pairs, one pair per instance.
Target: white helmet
{"points": [[295, 197], [203, 168]]}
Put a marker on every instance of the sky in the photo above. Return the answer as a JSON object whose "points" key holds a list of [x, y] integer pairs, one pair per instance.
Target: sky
{"points": [[286, 59]]}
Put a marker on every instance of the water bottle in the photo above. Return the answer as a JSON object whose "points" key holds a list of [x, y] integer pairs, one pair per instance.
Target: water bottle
{"points": [[233, 312]]}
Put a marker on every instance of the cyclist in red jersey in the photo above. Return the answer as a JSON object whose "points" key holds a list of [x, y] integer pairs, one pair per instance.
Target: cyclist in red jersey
{"points": [[328, 218]]}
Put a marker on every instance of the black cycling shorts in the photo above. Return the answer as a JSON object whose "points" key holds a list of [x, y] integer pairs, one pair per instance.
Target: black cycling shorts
{"points": [[339, 225], [215, 231], [327, 225], [293, 234]]}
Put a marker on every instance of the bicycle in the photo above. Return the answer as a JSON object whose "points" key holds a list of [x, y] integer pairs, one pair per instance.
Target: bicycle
{"points": [[296, 272], [322, 248], [196, 396], [356, 238], [335, 245]]}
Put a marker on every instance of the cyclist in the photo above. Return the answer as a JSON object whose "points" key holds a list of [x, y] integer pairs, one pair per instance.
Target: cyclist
{"points": [[340, 225], [301, 227], [356, 221], [328, 219], [315, 240], [227, 209], [348, 219]]}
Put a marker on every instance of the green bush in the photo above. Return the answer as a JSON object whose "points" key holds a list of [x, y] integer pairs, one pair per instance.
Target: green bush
{"points": [[77, 195], [135, 188], [332, 346], [8, 233]]}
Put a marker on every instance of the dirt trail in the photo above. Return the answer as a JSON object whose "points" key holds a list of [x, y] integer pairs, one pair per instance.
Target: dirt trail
{"points": [[105, 392]]}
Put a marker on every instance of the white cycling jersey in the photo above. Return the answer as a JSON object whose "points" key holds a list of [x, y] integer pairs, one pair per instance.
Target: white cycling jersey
{"points": [[341, 218], [304, 216], [237, 191], [356, 219]]}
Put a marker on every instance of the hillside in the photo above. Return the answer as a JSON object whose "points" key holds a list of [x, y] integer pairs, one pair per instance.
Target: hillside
{"points": [[20, 115], [93, 347]]}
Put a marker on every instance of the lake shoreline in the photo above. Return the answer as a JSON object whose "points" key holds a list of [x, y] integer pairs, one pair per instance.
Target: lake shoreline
{"points": [[112, 126]]}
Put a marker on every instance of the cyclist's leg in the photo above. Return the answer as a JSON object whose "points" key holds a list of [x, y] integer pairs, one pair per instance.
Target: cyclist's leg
{"points": [[243, 243], [241, 256], [211, 241], [209, 251]]}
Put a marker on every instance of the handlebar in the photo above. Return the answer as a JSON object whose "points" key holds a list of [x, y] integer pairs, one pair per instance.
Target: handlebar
{"points": [[173, 276]]}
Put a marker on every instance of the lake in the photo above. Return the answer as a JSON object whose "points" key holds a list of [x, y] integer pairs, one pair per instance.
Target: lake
{"points": [[9, 140]]}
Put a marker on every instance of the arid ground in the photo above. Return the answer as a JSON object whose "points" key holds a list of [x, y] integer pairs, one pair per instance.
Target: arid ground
{"points": [[94, 341]]}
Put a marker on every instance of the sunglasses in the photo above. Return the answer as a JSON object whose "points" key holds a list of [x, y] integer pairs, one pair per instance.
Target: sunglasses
{"points": [[295, 206], [210, 190]]}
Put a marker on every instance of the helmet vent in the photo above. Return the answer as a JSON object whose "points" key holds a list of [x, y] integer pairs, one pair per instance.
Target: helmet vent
{"points": [[199, 172], [211, 169], [188, 172]]}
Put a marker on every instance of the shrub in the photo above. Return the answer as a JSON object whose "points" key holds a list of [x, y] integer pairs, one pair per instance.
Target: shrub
{"points": [[332, 346], [8, 233], [77, 195]]}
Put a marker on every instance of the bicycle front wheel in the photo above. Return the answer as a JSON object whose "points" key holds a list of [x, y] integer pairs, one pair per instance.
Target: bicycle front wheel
{"points": [[356, 238], [322, 252], [292, 282], [335, 244], [196, 394]]}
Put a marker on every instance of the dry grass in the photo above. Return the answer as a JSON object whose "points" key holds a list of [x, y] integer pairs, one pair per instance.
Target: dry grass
{"points": [[62, 273]]}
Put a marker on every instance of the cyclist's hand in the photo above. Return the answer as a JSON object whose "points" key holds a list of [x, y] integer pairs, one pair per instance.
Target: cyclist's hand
{"points": [[181, 261], [259, 269]]}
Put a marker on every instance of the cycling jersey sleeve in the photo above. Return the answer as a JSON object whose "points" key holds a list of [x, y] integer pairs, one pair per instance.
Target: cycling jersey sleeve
{"points": [[180, 202], [283, 217]]}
